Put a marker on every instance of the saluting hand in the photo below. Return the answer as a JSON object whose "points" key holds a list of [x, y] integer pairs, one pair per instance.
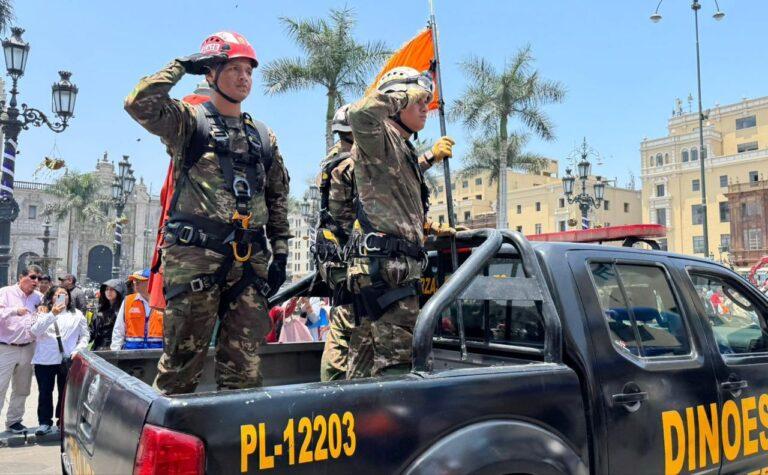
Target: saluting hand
{"points": [[200, 63]]}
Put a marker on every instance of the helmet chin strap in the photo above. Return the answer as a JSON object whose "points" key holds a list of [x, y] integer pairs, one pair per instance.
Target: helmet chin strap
{"points": [[215, 85], [396, 118]]}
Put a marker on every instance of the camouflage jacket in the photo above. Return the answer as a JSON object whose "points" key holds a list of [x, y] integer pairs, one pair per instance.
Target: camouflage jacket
{"points": [[341, 195], [387, 175], [205, 193]]}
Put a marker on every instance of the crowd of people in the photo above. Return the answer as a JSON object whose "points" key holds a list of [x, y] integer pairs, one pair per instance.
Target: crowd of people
{"points": [[42, 325], [300, 319]]}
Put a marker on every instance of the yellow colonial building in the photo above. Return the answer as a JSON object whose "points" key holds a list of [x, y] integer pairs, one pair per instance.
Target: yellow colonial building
{"points": [[735, 151], [535, 203]]}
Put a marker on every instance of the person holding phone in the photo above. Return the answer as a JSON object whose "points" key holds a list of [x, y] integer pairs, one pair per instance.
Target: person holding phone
{"points": [[61, 329]]}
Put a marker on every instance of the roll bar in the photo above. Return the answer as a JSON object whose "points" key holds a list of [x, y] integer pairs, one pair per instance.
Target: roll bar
{"points": [[468, 283]]}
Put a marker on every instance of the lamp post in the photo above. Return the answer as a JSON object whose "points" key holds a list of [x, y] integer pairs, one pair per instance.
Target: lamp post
{"points": [[13, 120], [583, 199], [718, 15], [122, 187]]}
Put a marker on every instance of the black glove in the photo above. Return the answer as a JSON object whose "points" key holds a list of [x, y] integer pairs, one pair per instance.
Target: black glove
{"points": [[199, 63], [276, 276]]}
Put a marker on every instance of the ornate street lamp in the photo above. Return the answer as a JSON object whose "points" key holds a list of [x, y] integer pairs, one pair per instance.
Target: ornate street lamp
{"points": [[718, 15], [13, 120], [583, 199], [122, 187]]}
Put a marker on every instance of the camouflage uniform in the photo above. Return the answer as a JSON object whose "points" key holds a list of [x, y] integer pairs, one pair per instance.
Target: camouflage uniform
{"points": [[333, 364], [341, 206], [190, 317], [389, 184]]}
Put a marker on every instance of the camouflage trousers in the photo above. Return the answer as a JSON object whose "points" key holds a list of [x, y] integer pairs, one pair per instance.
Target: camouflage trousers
{"points": [[333, 364], [190, 319], [383, 346]]}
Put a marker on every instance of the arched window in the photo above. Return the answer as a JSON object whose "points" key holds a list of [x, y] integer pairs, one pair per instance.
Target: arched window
{"points": [[685, 155], [666, 158], [659, 160], [704, 153], [694, 154]]}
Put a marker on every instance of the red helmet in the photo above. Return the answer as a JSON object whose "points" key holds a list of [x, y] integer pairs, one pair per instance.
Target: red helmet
{"points": [[233, 44]]}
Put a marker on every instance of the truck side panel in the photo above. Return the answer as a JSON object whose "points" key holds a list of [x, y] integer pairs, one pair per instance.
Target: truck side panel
{"points": [[371, 426]]}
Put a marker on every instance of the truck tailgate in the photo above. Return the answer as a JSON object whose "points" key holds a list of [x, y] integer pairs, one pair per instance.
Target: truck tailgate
{"points": [[104, 411]]}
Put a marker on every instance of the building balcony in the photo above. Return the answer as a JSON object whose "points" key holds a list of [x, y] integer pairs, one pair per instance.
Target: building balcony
{"points": [[744, 257], [749, 186]]}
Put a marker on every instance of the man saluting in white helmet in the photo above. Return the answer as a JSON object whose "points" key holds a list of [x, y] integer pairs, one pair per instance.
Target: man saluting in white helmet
{"points": [[392, 200]]}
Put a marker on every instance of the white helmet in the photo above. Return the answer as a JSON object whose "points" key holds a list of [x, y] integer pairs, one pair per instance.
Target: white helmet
{"points": [[340, 123], [402, 78]]}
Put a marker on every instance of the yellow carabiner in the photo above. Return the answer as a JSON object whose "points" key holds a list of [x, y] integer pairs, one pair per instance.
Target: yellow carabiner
{"points": [[239, 258], [244, 222]]}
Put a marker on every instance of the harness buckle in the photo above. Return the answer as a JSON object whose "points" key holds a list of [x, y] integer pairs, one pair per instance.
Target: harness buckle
{"points": [[185, 234], [364, 244], [241, 187], [263, 288], [197, 285]]}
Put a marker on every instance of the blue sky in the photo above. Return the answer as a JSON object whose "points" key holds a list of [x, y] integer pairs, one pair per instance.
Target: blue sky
{"points": [[622, 72]]}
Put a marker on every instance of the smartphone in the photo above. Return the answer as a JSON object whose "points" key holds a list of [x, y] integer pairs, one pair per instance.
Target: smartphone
{"points": [[59, 299]]}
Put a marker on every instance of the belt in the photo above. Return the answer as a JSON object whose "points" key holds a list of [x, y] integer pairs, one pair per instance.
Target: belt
{"points": [[188, 233], [20, 345], [378, 245]]}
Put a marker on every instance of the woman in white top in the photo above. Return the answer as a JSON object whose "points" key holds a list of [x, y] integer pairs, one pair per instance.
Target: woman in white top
{"points": [[64, 322]]}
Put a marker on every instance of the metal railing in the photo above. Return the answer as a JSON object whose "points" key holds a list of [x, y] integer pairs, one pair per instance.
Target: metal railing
{"points": [[30, 185]]}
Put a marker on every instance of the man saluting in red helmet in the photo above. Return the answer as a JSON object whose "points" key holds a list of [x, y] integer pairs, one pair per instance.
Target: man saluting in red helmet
{"points": [[230, 199]]}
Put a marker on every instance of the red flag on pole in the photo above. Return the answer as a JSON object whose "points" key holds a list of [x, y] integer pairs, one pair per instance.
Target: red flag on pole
{"points": [[419, 54]]}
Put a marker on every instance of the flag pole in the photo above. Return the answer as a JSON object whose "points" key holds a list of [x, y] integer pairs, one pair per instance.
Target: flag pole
{"points": [[447, 174]]}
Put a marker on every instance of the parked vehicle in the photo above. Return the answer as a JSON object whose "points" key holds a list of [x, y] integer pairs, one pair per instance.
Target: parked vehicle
{"points": [[578, 358]]}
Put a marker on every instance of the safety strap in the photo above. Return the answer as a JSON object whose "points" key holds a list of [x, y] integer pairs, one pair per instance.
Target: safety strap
{"points": [[200, 143], [396, 294], [325, 218]]}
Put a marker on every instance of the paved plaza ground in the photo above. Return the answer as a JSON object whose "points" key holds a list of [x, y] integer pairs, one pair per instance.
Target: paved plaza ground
{"points": [[27, 456]]}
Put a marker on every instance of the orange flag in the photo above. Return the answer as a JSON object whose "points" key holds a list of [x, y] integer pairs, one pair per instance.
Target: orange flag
{"points": [[419, 53]]}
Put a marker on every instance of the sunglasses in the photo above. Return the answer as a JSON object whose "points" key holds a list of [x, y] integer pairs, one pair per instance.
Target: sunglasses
{"points": [[33, 277]]}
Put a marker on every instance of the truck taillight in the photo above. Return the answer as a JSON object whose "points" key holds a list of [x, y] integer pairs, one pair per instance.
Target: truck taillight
{"points": [[167, 452]]}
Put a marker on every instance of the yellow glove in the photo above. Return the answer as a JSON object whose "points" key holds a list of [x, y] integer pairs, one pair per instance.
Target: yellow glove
{"points": [[437, 229], [417, 94], [443, 148]]}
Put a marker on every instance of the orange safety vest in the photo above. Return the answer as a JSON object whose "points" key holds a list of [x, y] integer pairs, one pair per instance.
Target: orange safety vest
{"points": [[142, 331]]}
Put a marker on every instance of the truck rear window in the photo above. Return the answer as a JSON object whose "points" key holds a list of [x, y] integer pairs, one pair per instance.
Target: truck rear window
{"points": [[641, 311], [512, 322]]}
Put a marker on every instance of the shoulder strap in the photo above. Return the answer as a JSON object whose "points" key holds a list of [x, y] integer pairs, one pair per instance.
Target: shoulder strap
{"points": [[325, 178], [194, 151], [199, 140], [267, 151], [58, 339]]}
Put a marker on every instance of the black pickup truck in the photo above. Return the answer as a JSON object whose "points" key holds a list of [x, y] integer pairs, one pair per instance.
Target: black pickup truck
{"points": [[575, 359]]}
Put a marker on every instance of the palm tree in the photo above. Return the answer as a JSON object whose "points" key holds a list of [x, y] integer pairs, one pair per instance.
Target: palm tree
{"points": [[80, 199], [6, 14], [484, 153], [332, 60], [492, 98]]}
